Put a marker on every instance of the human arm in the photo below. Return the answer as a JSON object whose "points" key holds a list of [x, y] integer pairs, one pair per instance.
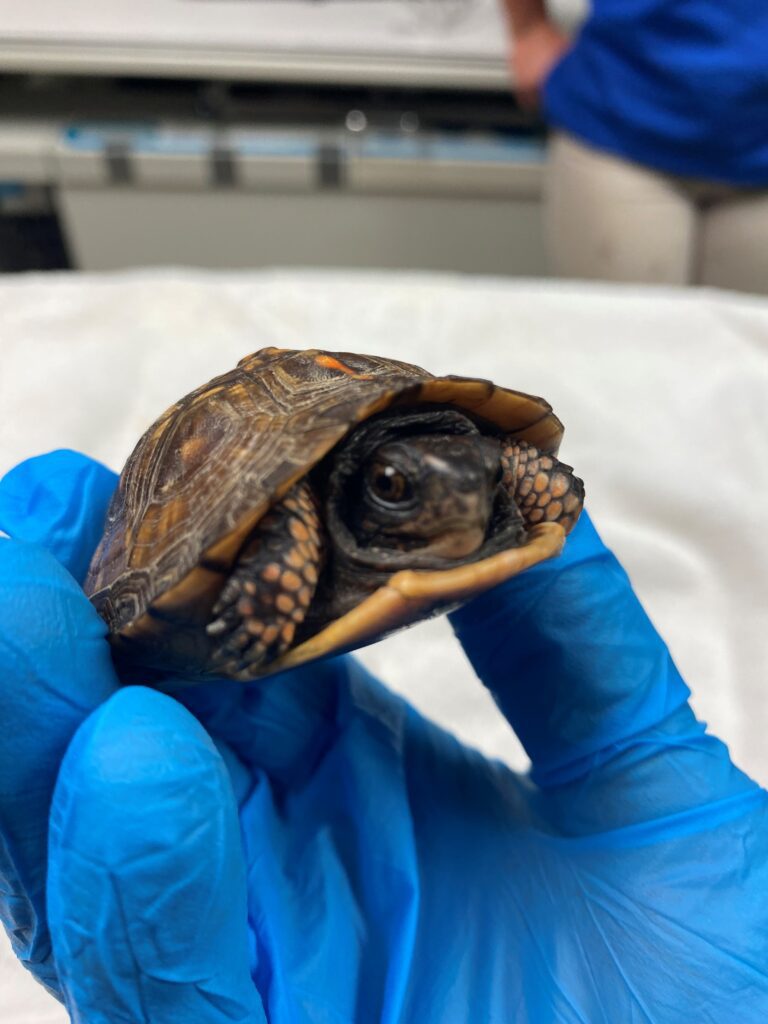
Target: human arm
{"points": [[536, 45]]}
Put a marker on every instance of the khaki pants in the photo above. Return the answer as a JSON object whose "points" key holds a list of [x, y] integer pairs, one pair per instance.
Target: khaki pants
{"points": [[611, 220]]}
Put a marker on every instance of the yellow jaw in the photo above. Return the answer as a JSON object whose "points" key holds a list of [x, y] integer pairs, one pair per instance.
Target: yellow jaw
{"points": [[412, 594]]}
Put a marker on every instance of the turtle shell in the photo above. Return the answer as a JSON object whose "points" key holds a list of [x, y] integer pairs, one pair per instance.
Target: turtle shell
{"points": [[209, 468]]}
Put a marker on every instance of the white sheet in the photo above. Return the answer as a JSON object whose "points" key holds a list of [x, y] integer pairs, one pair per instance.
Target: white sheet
{"points": [[664, 395]]}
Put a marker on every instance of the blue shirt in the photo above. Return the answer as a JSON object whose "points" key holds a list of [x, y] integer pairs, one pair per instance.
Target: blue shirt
{"points": [[678, 85]]}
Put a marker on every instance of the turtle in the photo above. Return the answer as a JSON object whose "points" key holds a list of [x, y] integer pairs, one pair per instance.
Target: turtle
{"points": [[309, 502]]}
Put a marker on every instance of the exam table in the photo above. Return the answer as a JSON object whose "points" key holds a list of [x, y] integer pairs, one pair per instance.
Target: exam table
{"points": [[664, 395]]}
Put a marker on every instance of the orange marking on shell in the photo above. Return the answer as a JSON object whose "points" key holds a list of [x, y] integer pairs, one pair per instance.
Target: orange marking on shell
{"points": [[192, 448], [330, 363]]}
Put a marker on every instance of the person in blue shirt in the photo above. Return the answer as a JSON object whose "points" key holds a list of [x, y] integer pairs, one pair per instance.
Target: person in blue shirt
{"points": [[658, 167], [310, 849]]}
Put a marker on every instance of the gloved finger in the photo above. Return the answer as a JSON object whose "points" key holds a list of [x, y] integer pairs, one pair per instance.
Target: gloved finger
{"points": [[281, 725], [55, 669], [585, 680], [147, 895], [58, 500]]}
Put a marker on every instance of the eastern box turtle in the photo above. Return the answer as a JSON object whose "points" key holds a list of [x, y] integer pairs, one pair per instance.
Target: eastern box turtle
{"points": [[310, 502]]}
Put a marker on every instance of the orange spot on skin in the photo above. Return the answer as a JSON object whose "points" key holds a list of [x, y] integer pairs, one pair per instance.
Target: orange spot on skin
{"points": [[290, 580], [288, 631], [255, 627], [294, 558], [284, 603], [272, 573], [298, 530], [269, 635], [559, 485], [540, 483]]}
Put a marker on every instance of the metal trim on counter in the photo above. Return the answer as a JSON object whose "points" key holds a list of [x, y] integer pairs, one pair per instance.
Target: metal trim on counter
{"points": [[254, 65], [418, 163], [435, 164], [181, 158]]}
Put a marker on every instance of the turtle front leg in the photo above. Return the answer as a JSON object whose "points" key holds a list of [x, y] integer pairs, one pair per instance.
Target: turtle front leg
{"points": [[545, 490], [270, 589]]}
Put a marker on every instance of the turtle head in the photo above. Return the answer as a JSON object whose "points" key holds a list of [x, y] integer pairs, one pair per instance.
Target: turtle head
{"points": [[429, 493], [417, 488]]}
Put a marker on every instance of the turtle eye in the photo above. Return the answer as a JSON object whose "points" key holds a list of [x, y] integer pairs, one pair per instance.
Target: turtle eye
{"points": [[388, 484]]}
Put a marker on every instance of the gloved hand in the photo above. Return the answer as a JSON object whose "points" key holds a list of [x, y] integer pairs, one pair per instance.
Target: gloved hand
{"points": [[310, 849]]}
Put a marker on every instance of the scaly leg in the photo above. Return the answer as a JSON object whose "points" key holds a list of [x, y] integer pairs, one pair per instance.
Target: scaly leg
{"points": [[267, 595], [545, 490]]}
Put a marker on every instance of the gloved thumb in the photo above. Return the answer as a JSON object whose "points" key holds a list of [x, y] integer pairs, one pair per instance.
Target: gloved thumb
{"points": [[146, 887]]}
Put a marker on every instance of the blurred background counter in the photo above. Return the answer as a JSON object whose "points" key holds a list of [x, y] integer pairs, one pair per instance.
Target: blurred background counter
{"points": [[240, 133]]}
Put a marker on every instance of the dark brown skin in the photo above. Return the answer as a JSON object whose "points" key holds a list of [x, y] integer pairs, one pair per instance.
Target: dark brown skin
{"points": [[394, 499], [434, 493]]}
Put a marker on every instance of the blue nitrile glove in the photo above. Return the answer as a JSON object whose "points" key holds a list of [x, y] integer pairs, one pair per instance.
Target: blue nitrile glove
{"points": [[309, 849]]}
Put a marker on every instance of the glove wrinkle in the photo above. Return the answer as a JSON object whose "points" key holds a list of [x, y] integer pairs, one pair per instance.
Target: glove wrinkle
{"points": [[59, 500], [326, 854], [146, 891]]}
